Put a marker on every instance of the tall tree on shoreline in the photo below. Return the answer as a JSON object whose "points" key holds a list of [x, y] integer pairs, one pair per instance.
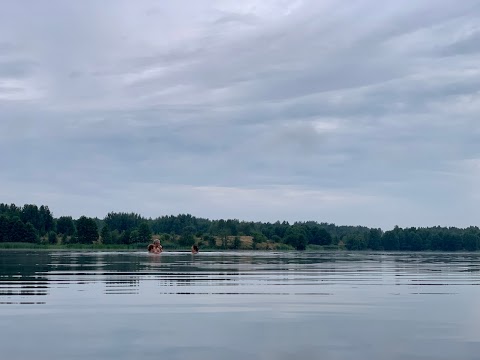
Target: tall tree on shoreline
{"points": [[87, 231]]}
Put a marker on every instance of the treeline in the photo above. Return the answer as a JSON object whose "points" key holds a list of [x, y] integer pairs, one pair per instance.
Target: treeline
{"points": [[34, 224]]}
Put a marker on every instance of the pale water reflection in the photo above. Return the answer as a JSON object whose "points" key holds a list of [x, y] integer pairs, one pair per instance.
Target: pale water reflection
{"points": [[257, 305]]}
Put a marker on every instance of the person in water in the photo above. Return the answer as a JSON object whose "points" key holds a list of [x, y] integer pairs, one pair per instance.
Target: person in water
{"points": [[158, 248], [194, 249]]}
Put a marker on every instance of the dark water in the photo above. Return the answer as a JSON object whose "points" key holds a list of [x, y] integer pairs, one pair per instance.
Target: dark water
{"points": [[81, 305]]}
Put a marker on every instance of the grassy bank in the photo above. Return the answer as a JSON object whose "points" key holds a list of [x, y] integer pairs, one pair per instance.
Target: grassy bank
{"points": [[93, 247], [140, 246], [30, 246]]}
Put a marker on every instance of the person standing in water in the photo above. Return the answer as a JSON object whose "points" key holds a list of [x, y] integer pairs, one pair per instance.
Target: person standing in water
{"points": [[158, 248], [194, 249]]}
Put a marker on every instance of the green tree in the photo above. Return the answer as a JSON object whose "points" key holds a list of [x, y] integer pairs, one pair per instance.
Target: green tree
{"points": [[187, 239], [452, 242], [87, 231], [106, 235], [65, 225], [31, 234], [470, 241], [295, 236], [210, 240], [374, 239], [319, 236], [390, 240], [276, 239], [46, 220], [355, 242], [236, 243], [144, 232], [30, 213], [257, 238], [417, 243], [17, 231], [123, 221], [52, 237], [116, 237], [134, 236], [126, 238], [4, 228], [436, 242], [232, 226]]}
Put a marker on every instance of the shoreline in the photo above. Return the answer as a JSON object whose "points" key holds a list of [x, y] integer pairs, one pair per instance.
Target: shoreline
{"points": [[133, 248]]}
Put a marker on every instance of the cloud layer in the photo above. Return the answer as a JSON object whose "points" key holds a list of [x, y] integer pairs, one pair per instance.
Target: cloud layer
{"points": [[365, 113]]}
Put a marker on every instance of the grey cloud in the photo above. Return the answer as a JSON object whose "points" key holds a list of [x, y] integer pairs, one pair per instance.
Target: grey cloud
{"points": [[467, 45], [6, 48], [234, 18], [423, 15], [16, 69], [341, 100], [10, 89], [303, 70], [172, 57]]}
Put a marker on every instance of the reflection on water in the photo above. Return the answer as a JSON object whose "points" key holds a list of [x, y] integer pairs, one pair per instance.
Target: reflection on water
{"points": [[266, 305]]}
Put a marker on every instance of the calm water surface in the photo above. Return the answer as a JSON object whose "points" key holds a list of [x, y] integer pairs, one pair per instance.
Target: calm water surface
{"points": [[248, 305]]}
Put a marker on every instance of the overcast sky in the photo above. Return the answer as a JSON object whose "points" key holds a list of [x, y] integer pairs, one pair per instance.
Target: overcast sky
{"points": [[357, 112]]}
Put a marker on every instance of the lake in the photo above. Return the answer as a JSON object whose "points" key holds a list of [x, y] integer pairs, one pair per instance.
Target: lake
{"points": [[239, 305]]}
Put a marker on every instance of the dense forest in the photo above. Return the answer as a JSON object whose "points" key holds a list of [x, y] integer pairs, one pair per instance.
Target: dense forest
{"points": [[33, 224]]}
